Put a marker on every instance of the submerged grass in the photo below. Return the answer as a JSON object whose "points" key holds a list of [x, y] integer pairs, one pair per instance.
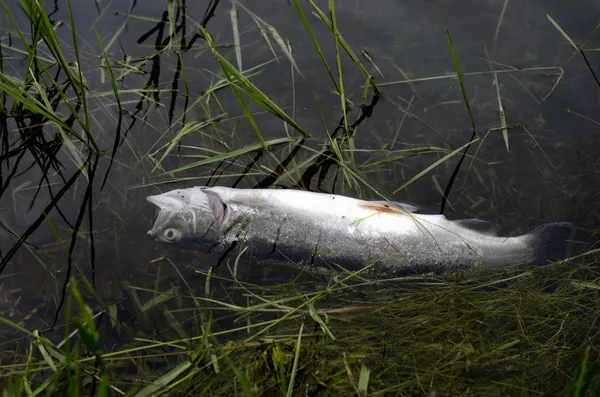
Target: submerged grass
{"points": [[515, 333], [295, 331]]}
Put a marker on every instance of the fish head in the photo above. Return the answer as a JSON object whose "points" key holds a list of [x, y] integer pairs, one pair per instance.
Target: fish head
{"points": [[191, 218]]}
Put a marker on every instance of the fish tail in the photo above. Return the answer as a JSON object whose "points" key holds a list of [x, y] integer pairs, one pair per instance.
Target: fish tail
{"points": [[552, 242]]}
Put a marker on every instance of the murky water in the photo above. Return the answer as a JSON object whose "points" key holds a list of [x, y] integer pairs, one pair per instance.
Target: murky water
{"points": [[550, 172]]}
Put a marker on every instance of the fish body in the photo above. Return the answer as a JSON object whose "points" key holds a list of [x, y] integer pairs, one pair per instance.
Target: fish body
{"points": [[327, 229]]}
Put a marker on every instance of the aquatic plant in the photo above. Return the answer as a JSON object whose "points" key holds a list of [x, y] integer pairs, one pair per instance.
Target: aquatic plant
{"points": [[89, 305]]}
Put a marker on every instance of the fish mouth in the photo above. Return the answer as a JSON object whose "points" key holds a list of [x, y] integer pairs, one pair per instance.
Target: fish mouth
{"points": [[165, 202], [157, 202], [153, 200]]}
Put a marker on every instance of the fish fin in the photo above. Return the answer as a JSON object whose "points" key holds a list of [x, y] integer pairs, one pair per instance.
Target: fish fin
{"points": [[406, 207], [552, 241], [480, 226]]}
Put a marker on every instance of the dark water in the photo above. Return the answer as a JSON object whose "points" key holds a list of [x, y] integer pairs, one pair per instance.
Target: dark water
{"points": [[550, 177]]}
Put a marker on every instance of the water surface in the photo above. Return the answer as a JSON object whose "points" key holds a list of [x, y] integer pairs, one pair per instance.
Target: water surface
{"points": [[549, 172]]}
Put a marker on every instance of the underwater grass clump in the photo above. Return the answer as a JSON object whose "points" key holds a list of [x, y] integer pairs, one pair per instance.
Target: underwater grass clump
{"points": [[513, 333], [504, 334]]}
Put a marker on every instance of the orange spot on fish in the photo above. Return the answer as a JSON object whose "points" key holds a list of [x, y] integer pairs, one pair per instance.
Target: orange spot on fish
{"points": [[388, 209]]}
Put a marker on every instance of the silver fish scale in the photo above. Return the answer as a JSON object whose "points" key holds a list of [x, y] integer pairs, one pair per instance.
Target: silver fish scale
{"points": [[332, 230], [317, 238]]}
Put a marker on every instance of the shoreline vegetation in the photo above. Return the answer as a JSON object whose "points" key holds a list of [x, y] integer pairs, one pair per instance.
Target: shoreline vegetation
{"points": [[80, 124]]}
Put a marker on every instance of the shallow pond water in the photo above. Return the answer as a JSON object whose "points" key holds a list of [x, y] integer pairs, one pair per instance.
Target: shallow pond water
{"points": [[509, 52]]}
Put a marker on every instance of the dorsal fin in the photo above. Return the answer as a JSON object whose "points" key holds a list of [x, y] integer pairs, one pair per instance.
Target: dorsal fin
{"points": [[478, 225]]}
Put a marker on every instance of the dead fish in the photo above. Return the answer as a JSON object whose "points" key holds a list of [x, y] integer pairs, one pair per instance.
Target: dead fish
{"points": [[328, 230]]}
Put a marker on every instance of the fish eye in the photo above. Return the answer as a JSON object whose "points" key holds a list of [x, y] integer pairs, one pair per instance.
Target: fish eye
{"points": [[171, 234]]}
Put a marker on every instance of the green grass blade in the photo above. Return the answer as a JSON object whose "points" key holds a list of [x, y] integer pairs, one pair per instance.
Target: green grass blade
{"points": [[315, 42], [160, 298], [435, 164], [90, 338], [338, 64], [233, 153], [290, 390], [591, 35], [585, 373], [80, 79], [346, 47], [233, 14], [500, 20], [165, 380], [186, 129], [75, 154], [501, 112], [248, 114], [317, 317], [253, 92], [263, 25], [281, 43], [363, 380], [562, 32], [44, 352], [32, 104], [460, 79]]}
